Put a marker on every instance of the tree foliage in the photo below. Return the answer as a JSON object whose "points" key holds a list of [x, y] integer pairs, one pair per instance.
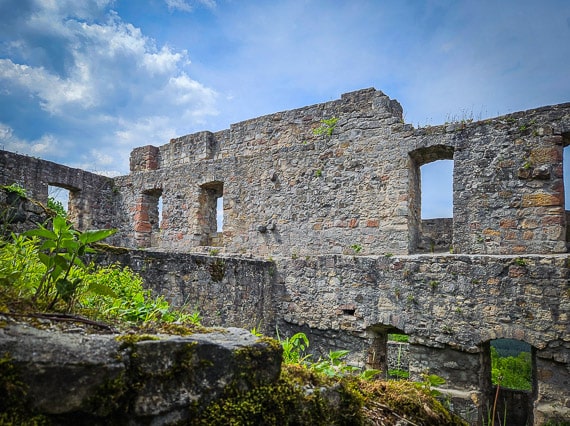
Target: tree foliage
{"points": [[514, 372]]}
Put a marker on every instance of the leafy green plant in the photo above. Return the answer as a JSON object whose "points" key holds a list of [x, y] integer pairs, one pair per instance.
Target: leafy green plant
{"points": [[60, 251], [57, 207], [429, 381], [294, 348], [16, 189], [333, 365], [318, 173], [327, 127]]}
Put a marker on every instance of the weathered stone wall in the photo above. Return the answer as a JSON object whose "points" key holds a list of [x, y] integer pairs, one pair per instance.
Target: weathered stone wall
{"points": [[436, 236], [92, 199], [290, 192], [451, 306]]}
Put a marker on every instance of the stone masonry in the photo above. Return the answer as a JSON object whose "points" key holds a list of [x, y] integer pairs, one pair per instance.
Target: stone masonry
{"points": [[323, 234]]}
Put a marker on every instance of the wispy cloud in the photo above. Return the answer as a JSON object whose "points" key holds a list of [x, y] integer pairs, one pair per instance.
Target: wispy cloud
{"points": [[186, 6], [101, 74]]}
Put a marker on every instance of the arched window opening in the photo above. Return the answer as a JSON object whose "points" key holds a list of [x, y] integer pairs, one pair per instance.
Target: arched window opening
{"points": [[58, 199], [511, 380]]}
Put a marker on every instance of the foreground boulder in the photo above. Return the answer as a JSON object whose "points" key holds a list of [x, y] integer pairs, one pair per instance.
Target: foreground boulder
{"points": [[82, 378]]}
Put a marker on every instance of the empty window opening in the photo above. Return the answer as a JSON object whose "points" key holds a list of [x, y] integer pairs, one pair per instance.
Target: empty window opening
{"points": [[437, 189], [388, 352], [430, 218], [511, 364], [159, 206], [566, 171], [220, 214], [210, 215], [58, 199], [148, 218]]}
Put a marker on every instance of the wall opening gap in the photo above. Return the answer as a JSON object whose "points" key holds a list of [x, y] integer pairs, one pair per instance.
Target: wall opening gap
{"points": [[512, 368], [220, 214], [398, 356], [159, 206], [566, 182], [388, 352], [211, 213], [58, 199], [437, 189]]}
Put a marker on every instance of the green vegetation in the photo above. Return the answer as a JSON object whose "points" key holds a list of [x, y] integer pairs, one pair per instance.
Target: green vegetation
{"points": [[57, 207], [16, 189], [327, 127], [514, 372], [44, 270], [356, 247], [394, 337]]}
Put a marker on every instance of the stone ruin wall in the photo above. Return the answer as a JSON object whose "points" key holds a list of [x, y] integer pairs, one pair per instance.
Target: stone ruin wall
{"points": [[288, 192], [92, 197], [299, 201]]}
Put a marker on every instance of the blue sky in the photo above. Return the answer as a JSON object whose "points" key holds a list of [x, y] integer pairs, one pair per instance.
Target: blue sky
{"points": [[84, 82]]}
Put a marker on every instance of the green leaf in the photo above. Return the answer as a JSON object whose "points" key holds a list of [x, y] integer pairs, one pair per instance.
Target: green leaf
{"points": [[435, 380], [42, 233], [45, 259], [102, 290], [61, 261], [70, 244], [48, 245], [93, 236], [66, 288], [60, 225]]}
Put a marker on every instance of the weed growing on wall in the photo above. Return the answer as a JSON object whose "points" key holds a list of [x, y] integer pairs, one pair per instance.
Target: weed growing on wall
{"points": [[327, 127]]}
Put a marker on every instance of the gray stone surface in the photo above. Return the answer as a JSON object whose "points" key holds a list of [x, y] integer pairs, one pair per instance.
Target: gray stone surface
{"points": [[83, 378]]}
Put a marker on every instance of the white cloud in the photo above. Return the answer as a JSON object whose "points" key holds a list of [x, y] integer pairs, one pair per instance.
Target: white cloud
{"points": [[185, 6], [46, 145], [178, 5], [102, 75]]}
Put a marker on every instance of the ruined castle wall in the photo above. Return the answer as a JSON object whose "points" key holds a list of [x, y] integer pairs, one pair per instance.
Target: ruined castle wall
{"points": [[91, 196], [290, 192], [451, 306], [287, 191]]}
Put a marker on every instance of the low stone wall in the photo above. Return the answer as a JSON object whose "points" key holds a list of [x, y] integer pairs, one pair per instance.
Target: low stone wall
{"points": [[398, 356], [436, 236], [226, 291]]}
